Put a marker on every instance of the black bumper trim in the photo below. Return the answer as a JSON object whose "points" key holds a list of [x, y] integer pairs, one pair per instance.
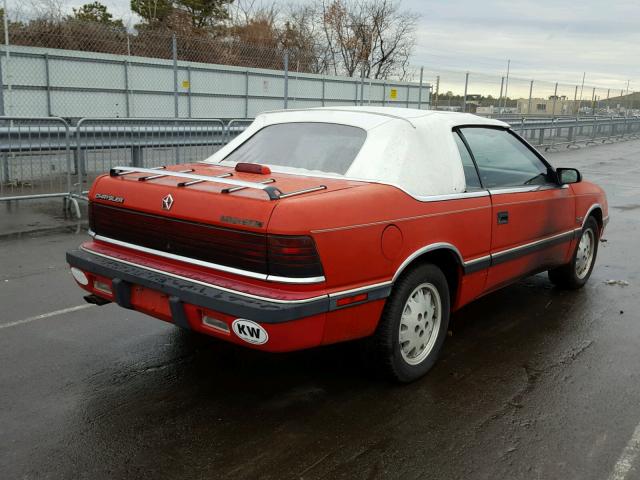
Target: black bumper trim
{"points": [[193, 293], [178, 314], [121, 292]]}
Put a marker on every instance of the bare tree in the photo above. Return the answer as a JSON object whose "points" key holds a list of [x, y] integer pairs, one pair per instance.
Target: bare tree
{"points": [[373, 37], [48, 10]]}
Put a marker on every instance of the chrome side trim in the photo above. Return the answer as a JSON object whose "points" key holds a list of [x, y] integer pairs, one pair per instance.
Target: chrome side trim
{"points": [[591, 209], [199, 282], [420, 251], [201, 263], [451, 196], [276, 278], [486, 261], [475, 261], [503, 191], [514, 252], [360, 289], [525, 189]]}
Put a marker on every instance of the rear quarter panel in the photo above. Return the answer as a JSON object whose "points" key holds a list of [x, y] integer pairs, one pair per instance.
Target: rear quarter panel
{"points": [[348, 228]]}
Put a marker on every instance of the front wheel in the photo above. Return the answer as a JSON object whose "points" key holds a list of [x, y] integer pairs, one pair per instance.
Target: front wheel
{"points": [[576, 273], [414, 324]]}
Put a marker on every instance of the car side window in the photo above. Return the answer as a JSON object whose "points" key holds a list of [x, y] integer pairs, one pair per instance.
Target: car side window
{"points": [[503, 160], [470, 172]]}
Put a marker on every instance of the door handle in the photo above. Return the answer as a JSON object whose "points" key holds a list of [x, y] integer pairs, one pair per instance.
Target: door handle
{"points": [[503, 218]]}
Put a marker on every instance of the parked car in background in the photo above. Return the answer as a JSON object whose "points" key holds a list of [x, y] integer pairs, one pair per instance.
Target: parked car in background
{"points": [[325, 225]]}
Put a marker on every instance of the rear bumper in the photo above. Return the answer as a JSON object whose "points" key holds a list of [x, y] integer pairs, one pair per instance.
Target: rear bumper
{"points": [[289, 324], [124, 275]]}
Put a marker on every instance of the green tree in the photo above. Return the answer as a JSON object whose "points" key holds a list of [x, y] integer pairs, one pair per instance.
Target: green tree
{"points": [[152, 11], [96, 12], [205, 13]]}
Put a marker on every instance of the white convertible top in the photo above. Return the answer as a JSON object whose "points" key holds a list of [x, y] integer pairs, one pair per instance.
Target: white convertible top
{"points": [[409, 148]]}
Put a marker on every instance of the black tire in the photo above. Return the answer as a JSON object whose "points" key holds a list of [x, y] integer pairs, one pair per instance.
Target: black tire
{"points": [[386, 348], [567, 276]]}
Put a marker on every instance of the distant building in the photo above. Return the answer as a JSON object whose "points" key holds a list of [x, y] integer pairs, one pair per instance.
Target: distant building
{"points": [[450, 108], [553, 105], [494, 110]]}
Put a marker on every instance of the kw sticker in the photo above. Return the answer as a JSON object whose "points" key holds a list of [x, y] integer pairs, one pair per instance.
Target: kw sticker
{"points": [[250, 331]]}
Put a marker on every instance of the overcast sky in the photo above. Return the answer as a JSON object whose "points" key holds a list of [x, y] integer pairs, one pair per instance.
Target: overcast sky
{"points": [[550, 40]]}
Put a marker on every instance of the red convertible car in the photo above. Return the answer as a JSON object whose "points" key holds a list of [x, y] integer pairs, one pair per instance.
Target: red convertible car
{"points": [[324, 225]]}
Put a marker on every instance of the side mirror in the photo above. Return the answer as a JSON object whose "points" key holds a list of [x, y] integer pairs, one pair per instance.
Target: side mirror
{"points": [[568, 175]]}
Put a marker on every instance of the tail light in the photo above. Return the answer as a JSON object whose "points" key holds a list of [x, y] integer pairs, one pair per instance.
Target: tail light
{"points": [[293, 256], [274, 255]]}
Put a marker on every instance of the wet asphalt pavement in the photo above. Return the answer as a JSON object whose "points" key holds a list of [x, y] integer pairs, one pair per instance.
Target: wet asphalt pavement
{"points": [[534, 383]]}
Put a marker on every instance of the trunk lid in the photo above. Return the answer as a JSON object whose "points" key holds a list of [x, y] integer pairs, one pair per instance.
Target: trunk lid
{"points": [[199, 223], [209, 202]]}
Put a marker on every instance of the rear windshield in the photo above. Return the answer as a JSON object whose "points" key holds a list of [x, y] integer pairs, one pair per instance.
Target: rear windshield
{"points": [[326, 147]]}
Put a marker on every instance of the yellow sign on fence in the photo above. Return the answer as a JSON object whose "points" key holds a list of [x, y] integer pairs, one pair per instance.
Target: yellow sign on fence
{"points": [[185, 84], [393, 93]]}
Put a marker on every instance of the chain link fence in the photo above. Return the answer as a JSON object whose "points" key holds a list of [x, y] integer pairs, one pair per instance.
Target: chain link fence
{"points": [[508, 96], [78, 69]]}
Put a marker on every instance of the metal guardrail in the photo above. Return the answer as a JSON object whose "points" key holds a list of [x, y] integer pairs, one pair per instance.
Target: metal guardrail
{"points": [[569, 131], [100, 144], [45, 157], [30, 168]]}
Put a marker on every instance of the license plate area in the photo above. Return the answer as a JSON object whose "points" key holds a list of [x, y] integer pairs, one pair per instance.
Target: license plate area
{"points": [[150, 301]]}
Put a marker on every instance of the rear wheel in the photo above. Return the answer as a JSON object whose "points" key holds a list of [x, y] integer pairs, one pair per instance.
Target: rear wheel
{"points": [[576, 273], [414, 324]]}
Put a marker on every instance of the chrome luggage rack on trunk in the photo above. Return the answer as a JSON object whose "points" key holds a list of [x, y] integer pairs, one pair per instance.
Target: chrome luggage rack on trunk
{"points": [[273, 192]]}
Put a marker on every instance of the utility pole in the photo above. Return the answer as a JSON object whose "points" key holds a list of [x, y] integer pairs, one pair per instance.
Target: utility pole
{"points": [[464, 100], [506, 84], [581, 89]]}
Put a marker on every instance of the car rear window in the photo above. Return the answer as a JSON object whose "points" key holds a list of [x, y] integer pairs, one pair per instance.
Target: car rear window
{"points": [[327, 147]]}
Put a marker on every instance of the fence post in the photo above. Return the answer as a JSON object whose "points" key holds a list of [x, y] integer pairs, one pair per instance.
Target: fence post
{"points": [[126, 89], [593, 101], [530, 96], [553, 132], [1, 91], [437, 92], [323, 90], [384, 93], [286, 79], [174, 43], [575, 102], [362, 87], [48, 83], [420, 89], [464, 100], [189, 91], [246, 93]]}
